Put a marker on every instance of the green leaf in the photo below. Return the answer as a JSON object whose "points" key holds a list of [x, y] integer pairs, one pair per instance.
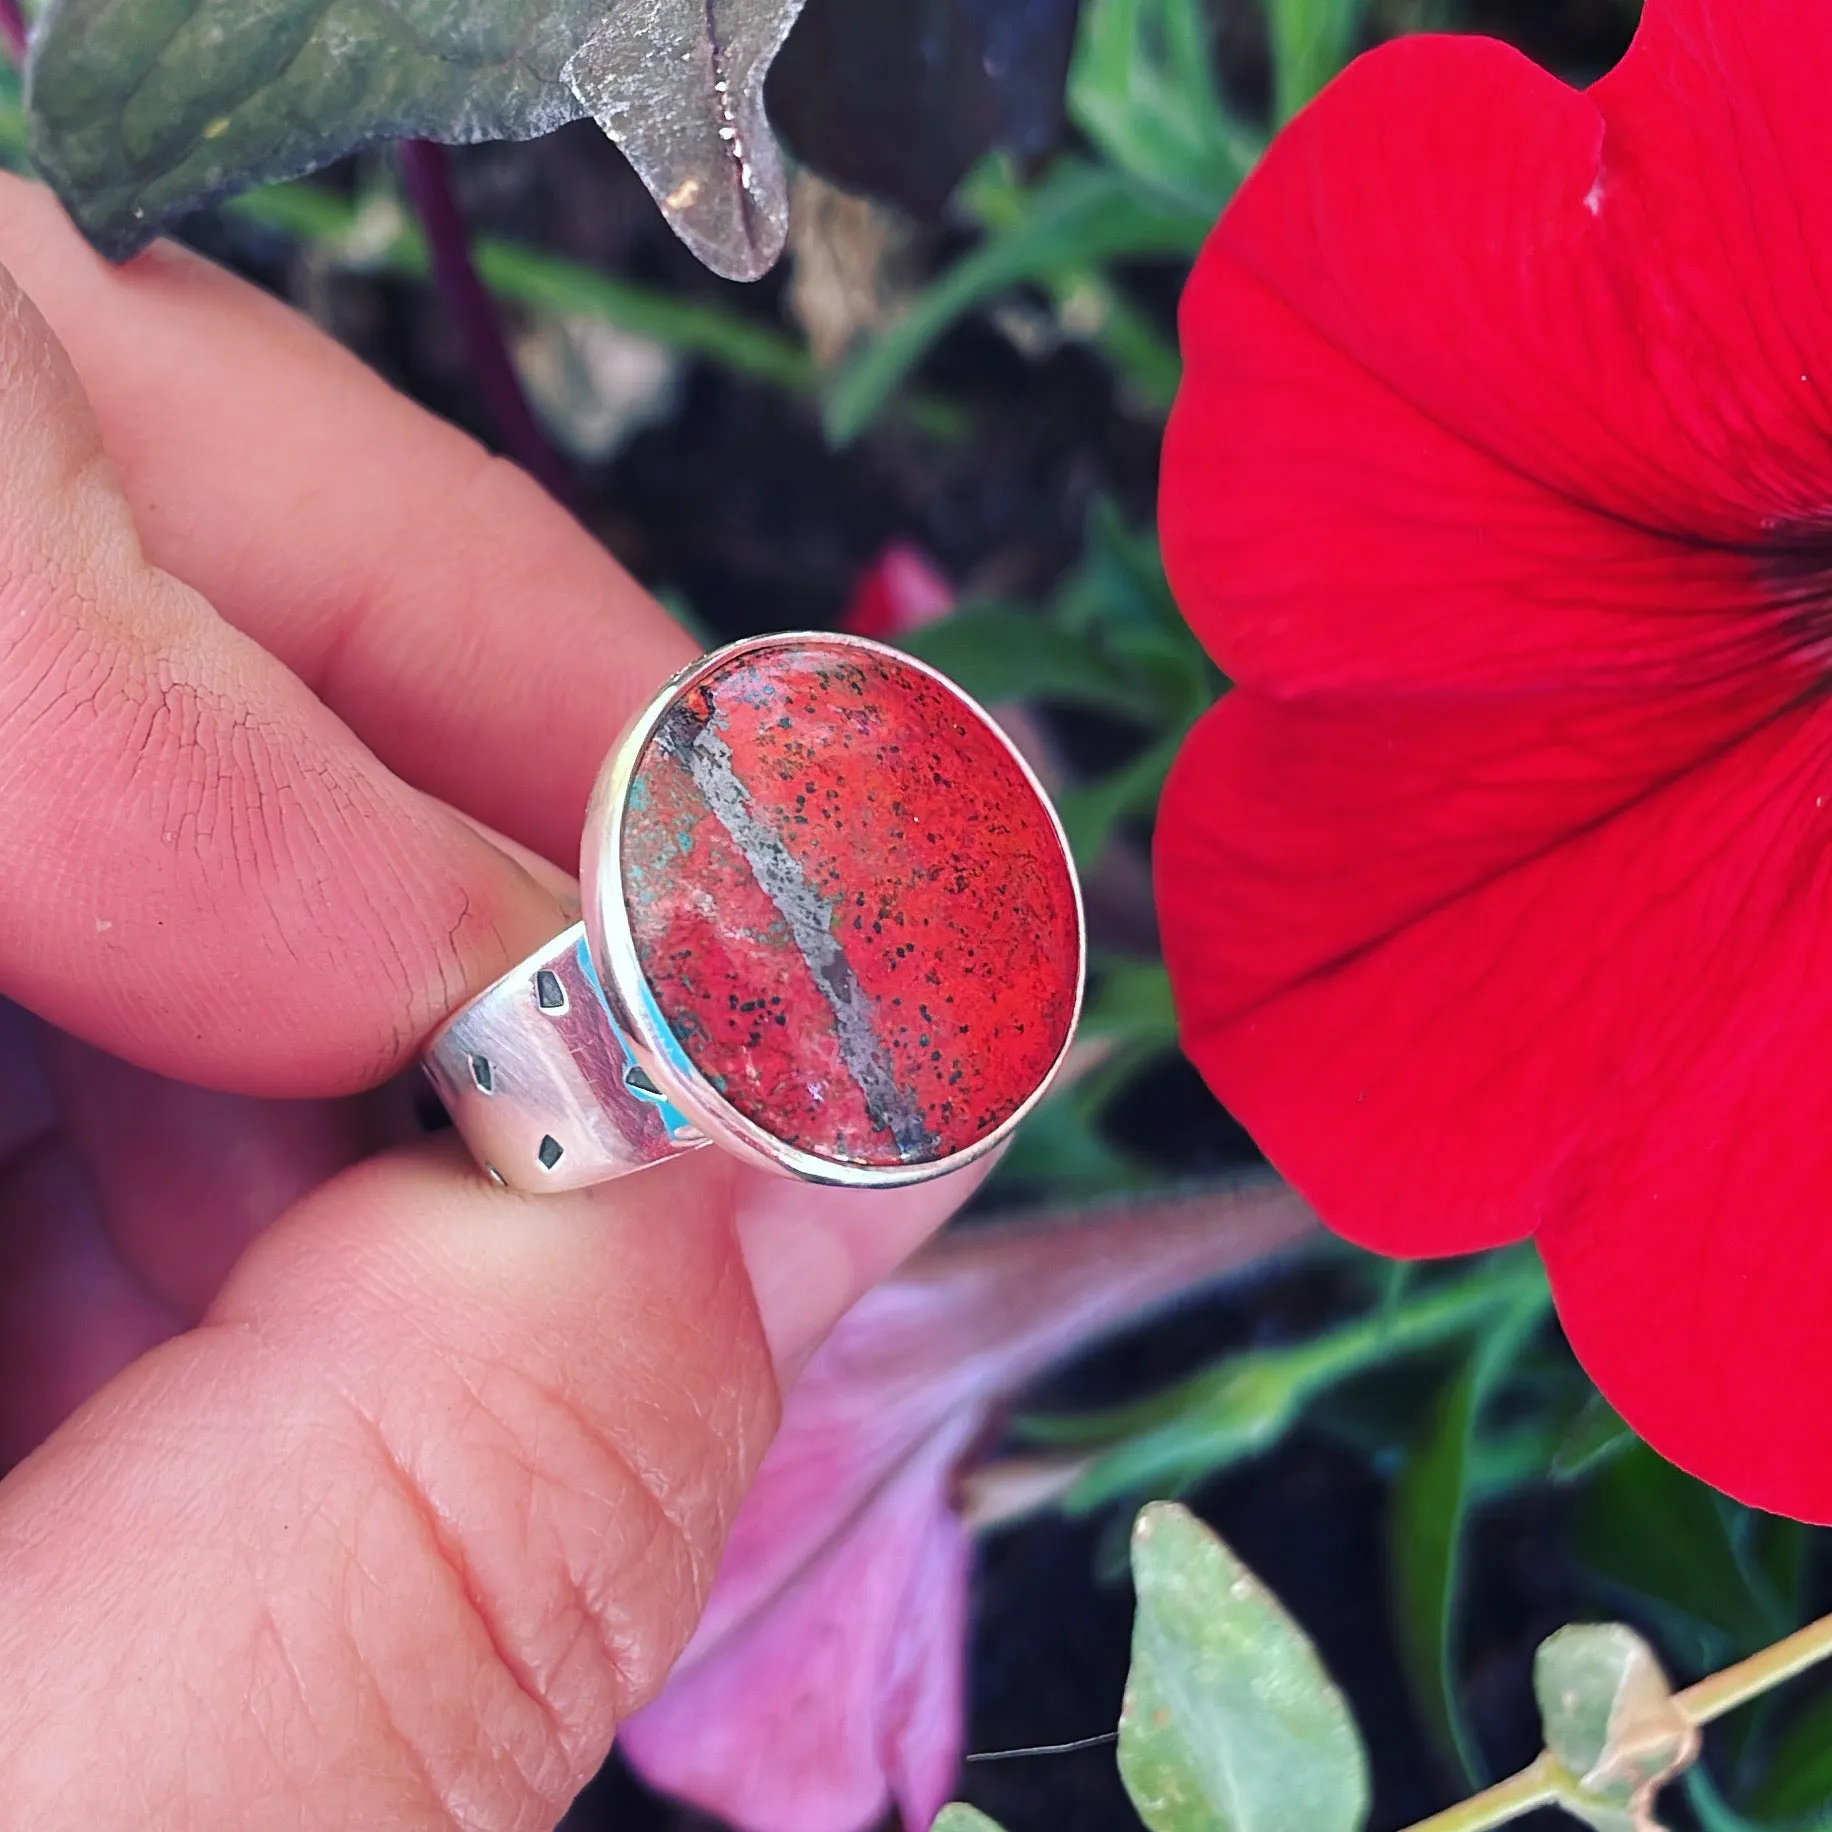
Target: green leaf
{"points": [[1223, 1417], [1311, 41], [1611, 1723], [1131, 1001], [1430, 1510], [1142, 88], [1798, 1777], [1079, 216], [12, 120], [143, 110], [1596, 1437], [1059, 1148], [998, 652], [1230, 1722], [1692, 1560], [1091, 308], [1093, 811], [1715, 1814], [678, 84], [1245, 1403], [1118, 596], [1712, 1811], [959, 1817], [1119, 583], [543, 282]]}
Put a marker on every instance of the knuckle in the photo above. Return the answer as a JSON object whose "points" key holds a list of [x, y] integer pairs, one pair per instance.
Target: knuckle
{"points": [[568, 1557]]}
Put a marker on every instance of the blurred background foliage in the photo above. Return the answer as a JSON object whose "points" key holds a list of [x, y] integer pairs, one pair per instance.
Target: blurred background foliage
{"points": [[974, 352]]}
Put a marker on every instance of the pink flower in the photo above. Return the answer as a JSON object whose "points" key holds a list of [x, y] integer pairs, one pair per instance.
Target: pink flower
{"points": [[900, 591], [826, 1680]]}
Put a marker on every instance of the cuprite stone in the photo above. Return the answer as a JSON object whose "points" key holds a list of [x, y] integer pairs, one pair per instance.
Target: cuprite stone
{"points": [[850, 904]]}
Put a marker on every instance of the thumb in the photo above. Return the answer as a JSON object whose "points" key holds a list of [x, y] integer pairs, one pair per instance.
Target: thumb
{"points": [[427, 1505]]}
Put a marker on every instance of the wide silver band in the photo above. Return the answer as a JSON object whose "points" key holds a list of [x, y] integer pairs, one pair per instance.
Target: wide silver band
{"points": [[542, 1083]]}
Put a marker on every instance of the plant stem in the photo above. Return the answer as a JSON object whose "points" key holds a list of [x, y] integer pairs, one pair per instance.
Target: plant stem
{"points": [[1538, 1785], [1546, 1783], [1147, 365], [1737, 1685], [1235, 1408], [429, 189], [1087, 301], [12, 30], [542, 282], [550, 283]]}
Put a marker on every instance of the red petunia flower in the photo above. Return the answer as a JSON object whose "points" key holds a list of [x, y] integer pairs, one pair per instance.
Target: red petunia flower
{"points": [[1498, 897]]}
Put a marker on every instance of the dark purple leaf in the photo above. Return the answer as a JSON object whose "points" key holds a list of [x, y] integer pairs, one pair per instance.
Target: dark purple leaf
{"points": [[899, 101]]}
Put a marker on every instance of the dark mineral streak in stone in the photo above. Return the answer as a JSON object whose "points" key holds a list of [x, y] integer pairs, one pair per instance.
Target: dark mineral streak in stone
{"points": [[697, 744]]}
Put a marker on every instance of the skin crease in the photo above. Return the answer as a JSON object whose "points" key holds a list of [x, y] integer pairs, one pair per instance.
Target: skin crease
{"points": [[352, 1491]]}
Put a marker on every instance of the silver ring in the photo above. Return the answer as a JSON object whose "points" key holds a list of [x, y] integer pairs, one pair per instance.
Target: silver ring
{"points": [[832, 926]]}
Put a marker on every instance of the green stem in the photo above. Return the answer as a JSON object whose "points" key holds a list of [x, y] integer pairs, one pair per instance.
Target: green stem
{"points": [[525, 276], [1090, 307], [519, 275], [1737, 1685], [1087, 302], [1235, 1408], [1425, 1318], [1539, 1785], [1546, 1782]]}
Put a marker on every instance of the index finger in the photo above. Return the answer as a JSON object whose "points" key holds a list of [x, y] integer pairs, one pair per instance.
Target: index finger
{"points": [[206, 872], [480, 641]]}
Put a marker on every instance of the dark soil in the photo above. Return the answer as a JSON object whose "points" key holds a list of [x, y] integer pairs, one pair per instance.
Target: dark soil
{"points": [[737, 506]]}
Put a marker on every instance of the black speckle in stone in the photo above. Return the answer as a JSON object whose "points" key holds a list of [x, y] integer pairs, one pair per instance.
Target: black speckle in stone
{"points": [[551, 1152]]}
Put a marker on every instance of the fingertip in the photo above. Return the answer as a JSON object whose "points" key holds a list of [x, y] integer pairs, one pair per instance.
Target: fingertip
{"points": [[813, 1252]]}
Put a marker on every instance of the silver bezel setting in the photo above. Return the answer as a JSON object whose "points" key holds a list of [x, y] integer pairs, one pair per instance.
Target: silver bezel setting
{"points": [[627, 989]]}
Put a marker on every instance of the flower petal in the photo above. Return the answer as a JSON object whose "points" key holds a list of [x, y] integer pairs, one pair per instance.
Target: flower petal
{"points": [[1458, 306], [974, 1317], [843, 1693], [825, 1677], [1503, 479], [901, 591], [1426, 952], [1687, 1236], [924, 1717]]}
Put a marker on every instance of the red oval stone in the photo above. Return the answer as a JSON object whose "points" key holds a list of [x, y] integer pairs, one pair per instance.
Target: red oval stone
{"points": [[850, 904]]}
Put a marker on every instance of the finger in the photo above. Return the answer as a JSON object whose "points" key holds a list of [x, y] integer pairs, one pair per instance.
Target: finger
{"points": [[478, 638], [185, 1178], [71, 1314], [813, 1252], [26, 1104], [207, 872], [398, 1536]]}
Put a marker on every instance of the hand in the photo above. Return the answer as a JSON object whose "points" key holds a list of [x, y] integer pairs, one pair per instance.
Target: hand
{"points": [[385, 1495]]}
